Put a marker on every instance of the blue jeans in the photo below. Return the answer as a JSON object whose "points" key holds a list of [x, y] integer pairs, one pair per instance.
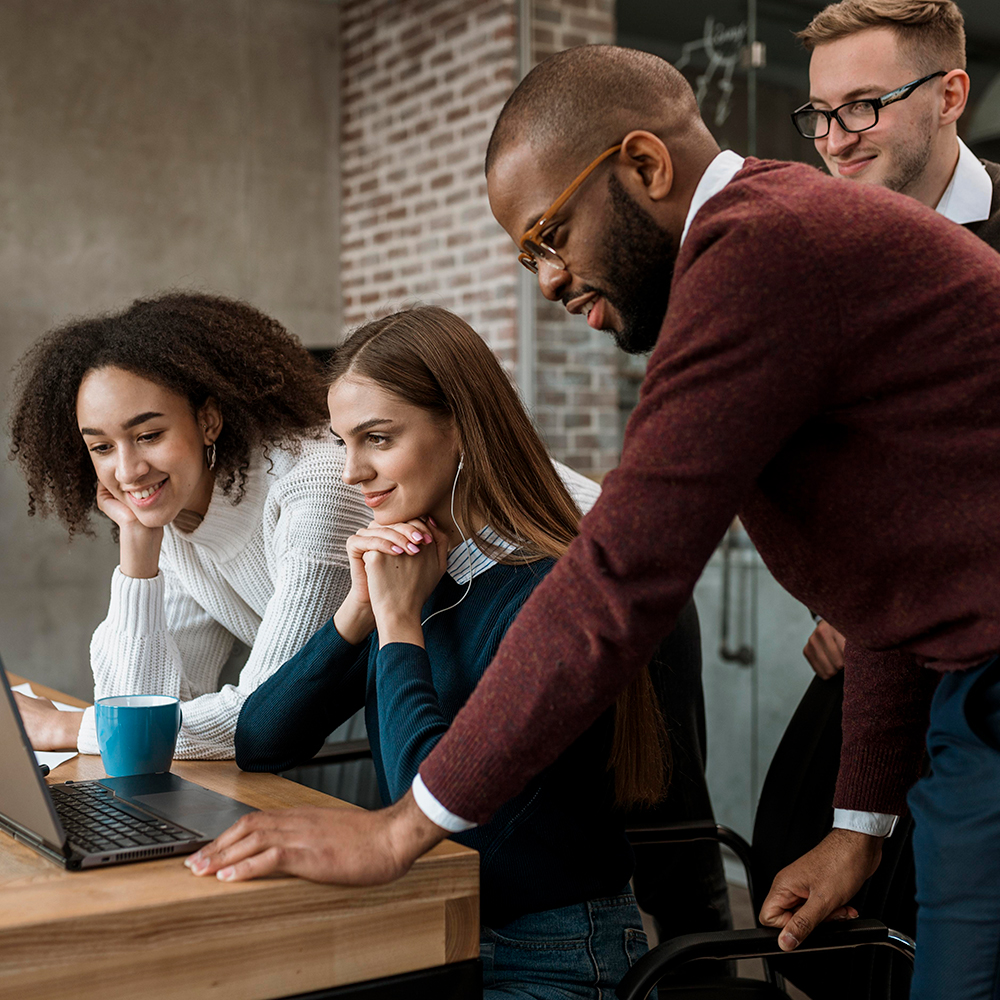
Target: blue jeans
{"points": [[956, 842], [577, 952]]}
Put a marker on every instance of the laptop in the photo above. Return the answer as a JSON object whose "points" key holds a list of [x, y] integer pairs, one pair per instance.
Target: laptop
{"points": [[89, 824]]}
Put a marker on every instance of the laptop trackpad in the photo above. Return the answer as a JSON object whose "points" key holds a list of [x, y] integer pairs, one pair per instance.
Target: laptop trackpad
{"points": [[196, 808], [182, 802]]}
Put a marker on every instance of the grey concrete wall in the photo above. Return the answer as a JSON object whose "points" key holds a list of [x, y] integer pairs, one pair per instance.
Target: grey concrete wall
{"points": [[149, 144]]}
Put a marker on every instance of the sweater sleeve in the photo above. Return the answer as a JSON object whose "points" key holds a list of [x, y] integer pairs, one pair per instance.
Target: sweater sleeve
{"points": [[408, 701], [735, 373], [886, 712], [306, 594], [286, 720], [153, 626]]}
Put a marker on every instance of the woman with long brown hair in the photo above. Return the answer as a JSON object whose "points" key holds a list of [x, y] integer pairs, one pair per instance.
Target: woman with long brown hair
{"points": [[469, 516]]}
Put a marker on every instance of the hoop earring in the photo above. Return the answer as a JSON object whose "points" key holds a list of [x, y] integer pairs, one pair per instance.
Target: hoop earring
{"points": [[210, 456]]}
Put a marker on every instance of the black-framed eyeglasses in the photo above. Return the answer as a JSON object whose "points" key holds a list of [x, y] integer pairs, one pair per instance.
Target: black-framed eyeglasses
{"points": [[854, 116]]}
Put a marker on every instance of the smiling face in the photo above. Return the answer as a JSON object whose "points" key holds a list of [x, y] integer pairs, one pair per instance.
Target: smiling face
{"points": [[147, 444], [900, 151], [401, 457], [619, 260]]}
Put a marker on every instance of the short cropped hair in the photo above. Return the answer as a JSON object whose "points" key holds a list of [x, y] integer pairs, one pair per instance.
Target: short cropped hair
{"points": [[931, 31], [582, 100]]}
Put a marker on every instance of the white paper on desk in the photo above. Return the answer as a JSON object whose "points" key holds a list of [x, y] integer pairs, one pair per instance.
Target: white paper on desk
{"points": [[53, 759]]}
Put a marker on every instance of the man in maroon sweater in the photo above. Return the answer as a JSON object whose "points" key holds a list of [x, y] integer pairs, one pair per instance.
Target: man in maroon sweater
{"points": [[826, 364]]}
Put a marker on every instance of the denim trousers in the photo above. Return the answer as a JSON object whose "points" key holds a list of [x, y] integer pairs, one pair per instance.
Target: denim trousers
{"points": [[577, 952], [956, 842]]}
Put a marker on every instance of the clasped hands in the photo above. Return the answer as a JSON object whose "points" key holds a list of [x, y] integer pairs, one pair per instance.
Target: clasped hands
{"points": [[394, 569]]}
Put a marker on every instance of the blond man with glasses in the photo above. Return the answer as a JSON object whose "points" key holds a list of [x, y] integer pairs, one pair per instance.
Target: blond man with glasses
{"points": [[862, 50]]}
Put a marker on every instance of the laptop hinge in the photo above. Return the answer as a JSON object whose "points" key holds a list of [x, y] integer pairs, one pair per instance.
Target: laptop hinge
{"points": [[29, 837]]}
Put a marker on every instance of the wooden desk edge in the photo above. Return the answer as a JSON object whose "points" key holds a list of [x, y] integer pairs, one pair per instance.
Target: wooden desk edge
{"points": [[441, 893]]}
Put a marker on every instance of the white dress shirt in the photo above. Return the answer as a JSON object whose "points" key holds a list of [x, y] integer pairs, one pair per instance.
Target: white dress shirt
{"points": [[969, 193]]}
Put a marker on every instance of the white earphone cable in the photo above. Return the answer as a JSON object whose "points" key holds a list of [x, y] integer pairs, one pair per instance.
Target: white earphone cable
{"points": [[468, 550]]}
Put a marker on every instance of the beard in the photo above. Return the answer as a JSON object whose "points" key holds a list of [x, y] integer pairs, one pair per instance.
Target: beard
{"points": [[638, 260], [910, 167], [912, 158]]}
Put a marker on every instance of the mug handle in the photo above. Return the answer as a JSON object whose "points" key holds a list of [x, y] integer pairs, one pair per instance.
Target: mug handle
{"points": [[180, 719]]}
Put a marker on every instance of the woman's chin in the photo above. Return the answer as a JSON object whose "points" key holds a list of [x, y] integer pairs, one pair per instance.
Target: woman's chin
{"points": [[155, 518], [392, 516]]}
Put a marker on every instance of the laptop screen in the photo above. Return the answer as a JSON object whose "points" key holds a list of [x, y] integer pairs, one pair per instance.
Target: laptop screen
{"points": [[24, 799]]}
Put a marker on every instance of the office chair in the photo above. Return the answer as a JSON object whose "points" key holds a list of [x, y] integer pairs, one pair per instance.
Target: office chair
{"points": [[793, 815]]}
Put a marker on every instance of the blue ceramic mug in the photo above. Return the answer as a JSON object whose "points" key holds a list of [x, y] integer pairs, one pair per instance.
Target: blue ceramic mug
{"points": [[137, 733]]}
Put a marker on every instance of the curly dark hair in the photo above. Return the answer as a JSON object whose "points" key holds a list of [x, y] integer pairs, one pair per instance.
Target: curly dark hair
{"points": [[267, 385]]}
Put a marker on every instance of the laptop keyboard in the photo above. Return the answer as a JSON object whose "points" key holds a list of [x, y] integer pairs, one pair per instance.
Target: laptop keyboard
{"points": [[96, 824]]}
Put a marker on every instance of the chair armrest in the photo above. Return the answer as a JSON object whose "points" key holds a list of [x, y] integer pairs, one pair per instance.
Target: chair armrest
{"points": [[759, 942], [340, 753], [682, 833]]}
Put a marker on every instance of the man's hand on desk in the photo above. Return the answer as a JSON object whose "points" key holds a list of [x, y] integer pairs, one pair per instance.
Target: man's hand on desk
{"points": [[818, 886], [46, 726], [345, 846]]}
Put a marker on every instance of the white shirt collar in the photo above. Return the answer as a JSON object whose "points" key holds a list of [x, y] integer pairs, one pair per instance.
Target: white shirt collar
{"points": [[719, 173], [466, 560], [969, 193]]}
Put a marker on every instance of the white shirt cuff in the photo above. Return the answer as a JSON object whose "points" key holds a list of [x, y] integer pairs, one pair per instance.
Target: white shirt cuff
{"points": [[874, 824], [436, 812]]}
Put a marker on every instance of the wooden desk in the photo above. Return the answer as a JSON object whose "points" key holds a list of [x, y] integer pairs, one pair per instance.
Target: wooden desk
{"points": [[152, 930]]}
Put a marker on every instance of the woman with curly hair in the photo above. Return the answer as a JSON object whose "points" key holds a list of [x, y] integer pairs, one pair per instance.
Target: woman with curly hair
{"points": [[197, 425]]}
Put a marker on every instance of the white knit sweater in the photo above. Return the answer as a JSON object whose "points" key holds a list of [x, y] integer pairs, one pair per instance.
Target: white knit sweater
{"points": [[269, 571]]}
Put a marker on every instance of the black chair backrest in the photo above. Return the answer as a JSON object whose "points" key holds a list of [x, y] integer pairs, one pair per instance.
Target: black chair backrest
{"points": [[794, 814]]}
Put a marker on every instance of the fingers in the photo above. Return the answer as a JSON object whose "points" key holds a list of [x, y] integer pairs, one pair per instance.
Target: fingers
{"points": [[387, 541], [779, 906], [265, 863], [439, 538], [392, 539], [254, 845], [417, 529], [833, 643], [822, 651], [820, 664], [803, 922], [200, 860]]}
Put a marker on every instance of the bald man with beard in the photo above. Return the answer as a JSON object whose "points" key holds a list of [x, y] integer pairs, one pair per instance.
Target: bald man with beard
{"points": [[826, 365]]}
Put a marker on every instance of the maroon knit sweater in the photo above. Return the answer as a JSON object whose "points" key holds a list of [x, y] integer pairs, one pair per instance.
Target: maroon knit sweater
{"points": [[828, 368]]}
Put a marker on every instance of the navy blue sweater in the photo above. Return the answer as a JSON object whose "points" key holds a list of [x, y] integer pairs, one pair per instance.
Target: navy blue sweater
{"points": [[559, 842]]}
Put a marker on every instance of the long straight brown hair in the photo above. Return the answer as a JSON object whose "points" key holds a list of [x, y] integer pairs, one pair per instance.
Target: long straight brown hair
{"points": [[433, 359]]}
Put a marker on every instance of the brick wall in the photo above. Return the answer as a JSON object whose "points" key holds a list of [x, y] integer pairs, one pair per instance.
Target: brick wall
{"points": [[423, 82], [577, 371]]}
